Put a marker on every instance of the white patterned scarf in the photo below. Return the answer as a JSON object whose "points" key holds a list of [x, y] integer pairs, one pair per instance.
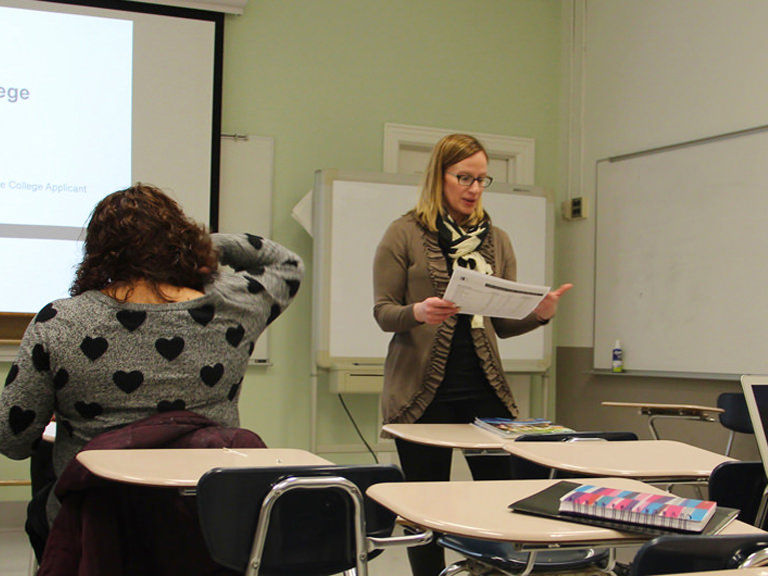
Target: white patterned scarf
{"points": [[461, 245]]}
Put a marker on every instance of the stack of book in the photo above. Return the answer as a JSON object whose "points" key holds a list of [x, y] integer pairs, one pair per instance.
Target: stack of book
{"points": [[508, 428]]}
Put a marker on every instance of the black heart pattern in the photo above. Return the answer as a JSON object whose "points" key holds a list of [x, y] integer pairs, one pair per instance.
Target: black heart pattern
{"points": [[128, 381], [233, 390], [255, 241], [170, 348], [202, 314], [87, 410], [254, 286], [93, 348], [60, 379], [40, 358], [131, 319], [67, 426], [235, 335], [273, 313], [292, 263], [20, 419], [211, 374], [12, 373], [46, 313], [293, 287], [168, 406], [251, 346]]}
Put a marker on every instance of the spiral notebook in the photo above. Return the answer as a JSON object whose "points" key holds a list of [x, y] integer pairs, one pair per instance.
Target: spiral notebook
{"points": [[644, 508], [546, 503]]}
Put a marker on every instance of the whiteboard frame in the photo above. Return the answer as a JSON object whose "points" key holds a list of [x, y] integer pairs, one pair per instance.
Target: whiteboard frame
{"points": [[322, 234]]}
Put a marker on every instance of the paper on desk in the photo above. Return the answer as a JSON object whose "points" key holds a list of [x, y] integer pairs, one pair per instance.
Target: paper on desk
{"points": [[477, 293]]}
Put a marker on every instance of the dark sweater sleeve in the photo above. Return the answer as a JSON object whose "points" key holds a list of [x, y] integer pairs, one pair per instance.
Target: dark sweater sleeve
{"points": [[27, 399]]}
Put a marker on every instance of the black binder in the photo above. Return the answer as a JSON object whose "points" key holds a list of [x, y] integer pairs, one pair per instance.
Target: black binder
{"points": [[546, 503]]}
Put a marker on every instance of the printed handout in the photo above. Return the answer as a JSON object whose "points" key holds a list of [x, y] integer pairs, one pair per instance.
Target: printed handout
{"points": [[477, 293]]}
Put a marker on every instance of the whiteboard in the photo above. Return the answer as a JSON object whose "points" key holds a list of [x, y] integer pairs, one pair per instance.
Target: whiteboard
{"points": [[681, 257], [350, 215], [245, 198]]}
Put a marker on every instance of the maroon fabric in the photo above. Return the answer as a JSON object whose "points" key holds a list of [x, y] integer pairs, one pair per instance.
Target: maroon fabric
{"points": [[115, 529]]}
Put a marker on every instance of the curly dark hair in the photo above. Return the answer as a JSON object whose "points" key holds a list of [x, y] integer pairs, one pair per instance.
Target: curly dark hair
{"points": [[142, 233]]}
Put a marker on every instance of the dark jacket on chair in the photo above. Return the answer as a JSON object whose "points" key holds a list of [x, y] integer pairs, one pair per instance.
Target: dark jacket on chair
{"points": [[119, 529]]}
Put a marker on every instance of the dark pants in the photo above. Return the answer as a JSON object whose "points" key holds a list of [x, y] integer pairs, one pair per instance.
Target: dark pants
{"points": [[421, 463]]}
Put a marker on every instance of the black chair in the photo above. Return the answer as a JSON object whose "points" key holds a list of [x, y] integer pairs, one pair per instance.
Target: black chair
{"points": [[291, 520], [736, 416], [740, 485], [481, 555], [696, 553]]}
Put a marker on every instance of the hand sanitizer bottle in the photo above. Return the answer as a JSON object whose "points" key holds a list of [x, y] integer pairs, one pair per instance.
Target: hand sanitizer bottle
{"points": [[617, 358]]}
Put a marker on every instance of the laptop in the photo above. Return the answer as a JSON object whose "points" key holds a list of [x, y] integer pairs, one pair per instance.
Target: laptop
{"points": [[755, 389]]}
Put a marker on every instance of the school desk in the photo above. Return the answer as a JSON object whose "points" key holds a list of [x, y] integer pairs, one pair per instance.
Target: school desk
{"points": [[480, 510], [461, 436], [670, 411], [182, 468], [657, 461]]}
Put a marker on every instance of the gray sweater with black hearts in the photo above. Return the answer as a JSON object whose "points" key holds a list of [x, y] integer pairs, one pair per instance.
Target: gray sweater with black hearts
{"points": [[98, 364]]}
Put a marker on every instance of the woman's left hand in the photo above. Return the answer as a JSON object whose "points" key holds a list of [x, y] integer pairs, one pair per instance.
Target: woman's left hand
{"points": [[548, 307]]}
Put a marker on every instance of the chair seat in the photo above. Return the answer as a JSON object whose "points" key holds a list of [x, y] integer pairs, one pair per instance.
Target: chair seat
{"points": [[502, 555]]}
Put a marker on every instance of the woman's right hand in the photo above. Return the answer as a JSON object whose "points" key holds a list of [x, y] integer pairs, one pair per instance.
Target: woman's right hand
{"points": [[434, 310]]}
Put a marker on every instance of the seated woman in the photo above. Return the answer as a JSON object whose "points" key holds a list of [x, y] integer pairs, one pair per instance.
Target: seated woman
{"points": [[162, 316]]}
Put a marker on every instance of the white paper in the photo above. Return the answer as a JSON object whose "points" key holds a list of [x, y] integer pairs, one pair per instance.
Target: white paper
{"points": [[477, 293]]}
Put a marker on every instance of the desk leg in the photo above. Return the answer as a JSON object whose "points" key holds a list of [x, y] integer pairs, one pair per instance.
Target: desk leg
{"points": [[652, 427], [762, 510]]}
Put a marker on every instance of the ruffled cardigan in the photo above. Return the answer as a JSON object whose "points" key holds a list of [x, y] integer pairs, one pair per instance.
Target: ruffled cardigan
{"points": [[409, 267]]}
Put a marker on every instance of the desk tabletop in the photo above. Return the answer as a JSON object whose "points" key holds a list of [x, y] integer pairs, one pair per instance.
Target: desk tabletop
{"points": [[652, 408], [182, 468], [650, 460], [479, 510], [462, 436]]}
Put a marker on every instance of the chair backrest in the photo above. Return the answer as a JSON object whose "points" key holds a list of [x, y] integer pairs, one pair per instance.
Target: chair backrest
{"points": [[736, 415], [570, 436], [310, 531], [739, 485], [521, 469], [697, 553]]}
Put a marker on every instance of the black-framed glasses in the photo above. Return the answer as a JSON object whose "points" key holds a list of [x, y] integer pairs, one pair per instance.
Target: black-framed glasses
{"points": [[467, 180]]}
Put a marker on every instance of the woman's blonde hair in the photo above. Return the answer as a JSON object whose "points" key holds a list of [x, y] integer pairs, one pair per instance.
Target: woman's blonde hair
{"points": [[448, 151]]}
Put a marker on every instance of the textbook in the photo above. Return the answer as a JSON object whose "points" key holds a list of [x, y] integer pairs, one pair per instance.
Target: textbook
{"points": [[508, 428], [664, 510], [546, 503]]}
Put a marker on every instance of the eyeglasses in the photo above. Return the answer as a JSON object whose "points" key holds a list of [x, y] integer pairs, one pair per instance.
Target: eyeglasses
{"points": [[467, 180]]}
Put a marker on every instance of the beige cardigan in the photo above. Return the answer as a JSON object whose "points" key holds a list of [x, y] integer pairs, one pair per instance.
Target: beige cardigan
{"points": [[409, 267]]}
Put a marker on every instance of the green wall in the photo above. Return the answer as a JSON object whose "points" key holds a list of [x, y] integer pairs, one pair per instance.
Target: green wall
{"points": [[322, 77]]}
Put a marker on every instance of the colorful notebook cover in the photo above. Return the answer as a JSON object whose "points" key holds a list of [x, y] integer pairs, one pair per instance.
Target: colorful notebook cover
{"points": [[663, 510], [546, 503]]}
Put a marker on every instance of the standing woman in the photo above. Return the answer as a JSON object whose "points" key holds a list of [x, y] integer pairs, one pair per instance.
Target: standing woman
{"points": [[443, 366]]}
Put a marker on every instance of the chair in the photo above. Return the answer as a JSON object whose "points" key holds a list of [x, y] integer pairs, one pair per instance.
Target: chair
{"points": [[481, 555], [696, 553], [290, 520], [740, 485], [736, 416], [484, 556]]}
